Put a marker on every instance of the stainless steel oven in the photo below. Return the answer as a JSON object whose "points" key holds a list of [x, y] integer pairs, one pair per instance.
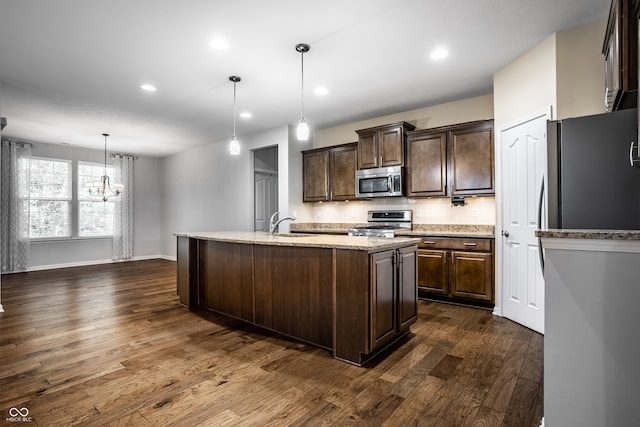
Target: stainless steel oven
{"points": [[379, 182]]}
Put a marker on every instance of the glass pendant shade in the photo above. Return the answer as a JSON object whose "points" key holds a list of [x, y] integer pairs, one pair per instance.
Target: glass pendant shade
{"points": [[302, 132], [234, 146]]}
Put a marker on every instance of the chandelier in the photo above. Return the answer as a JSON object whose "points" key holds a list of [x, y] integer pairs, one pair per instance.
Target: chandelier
{"points": [[103, 188]]}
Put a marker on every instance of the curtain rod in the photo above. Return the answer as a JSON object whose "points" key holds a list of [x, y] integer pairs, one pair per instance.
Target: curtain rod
{"points": [[17, 142], [133, 156]]}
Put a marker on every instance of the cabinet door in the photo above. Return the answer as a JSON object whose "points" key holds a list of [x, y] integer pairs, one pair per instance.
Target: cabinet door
{"points": [[391, 147], [433, 272], [226, 278], [472, 275], [315, 176], [383, 298], [367, 150], [427, 165], [295, 298], [472, 160], [407, 289], [344, 162]]}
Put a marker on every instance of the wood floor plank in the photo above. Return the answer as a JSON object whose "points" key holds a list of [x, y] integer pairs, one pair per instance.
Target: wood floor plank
{"points": [[110, 345]]}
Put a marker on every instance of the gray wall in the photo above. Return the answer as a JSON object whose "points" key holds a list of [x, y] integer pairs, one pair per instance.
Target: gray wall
{"points": [[147, 214], [206, 189]]}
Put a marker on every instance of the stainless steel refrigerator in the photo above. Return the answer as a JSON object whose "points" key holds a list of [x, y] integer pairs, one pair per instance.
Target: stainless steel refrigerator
{"points": [[592, 183]]}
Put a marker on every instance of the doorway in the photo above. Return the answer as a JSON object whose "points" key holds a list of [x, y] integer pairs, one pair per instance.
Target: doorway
{"points": [[265, 181], [523, 153]]}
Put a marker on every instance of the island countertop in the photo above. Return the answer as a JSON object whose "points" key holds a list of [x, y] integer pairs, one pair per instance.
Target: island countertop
{"points": [[369, 244]]}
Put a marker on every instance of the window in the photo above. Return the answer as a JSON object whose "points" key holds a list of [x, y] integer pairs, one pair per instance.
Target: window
{"points": [[50, 198], [95, 216]]}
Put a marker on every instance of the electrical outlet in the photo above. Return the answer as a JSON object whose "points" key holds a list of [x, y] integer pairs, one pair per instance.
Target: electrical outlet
{"points": [[418, 213], [474, 213], [353, 213]]}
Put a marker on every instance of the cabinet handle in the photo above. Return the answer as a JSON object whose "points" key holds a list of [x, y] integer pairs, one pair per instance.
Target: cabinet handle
{"points": [[470, 244], [428, 242], [453, 259]]}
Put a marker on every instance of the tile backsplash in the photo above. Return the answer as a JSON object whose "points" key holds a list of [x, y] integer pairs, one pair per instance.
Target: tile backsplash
{"points": [[477, 210]]}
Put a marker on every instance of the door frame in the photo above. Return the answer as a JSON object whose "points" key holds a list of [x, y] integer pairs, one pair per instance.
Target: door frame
{"points": [[499, 246]]}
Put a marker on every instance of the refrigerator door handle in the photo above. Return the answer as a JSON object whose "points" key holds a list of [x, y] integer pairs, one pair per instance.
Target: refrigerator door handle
{"points": [[631, 159], [540, 201]]}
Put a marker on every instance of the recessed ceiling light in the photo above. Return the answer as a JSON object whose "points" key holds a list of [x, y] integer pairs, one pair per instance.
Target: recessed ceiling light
{"points": [[321, 91], [439, 53], [246, 115], [219, 44], [148, 87]]}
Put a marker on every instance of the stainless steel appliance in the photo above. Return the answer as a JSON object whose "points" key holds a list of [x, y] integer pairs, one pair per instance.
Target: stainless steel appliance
{"points": [[379, 182], [384, 224], [592, 183]]}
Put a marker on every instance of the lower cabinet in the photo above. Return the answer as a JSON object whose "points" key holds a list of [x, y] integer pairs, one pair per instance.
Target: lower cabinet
{"points": [[456, 269], [389, 278]]}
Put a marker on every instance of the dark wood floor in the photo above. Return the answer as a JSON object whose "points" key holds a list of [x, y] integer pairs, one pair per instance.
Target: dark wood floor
{"points": [[109, 345]]}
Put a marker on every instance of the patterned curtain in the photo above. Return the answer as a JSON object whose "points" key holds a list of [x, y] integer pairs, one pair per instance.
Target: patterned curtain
{"points": [[14, 205], [123, 211]]}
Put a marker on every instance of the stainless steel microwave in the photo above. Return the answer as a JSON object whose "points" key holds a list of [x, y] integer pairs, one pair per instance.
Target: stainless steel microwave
{"points": [[379, 182]]}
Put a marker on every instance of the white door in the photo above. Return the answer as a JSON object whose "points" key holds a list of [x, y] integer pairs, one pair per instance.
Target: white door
{"points": [[265, 199], [524, 162]]}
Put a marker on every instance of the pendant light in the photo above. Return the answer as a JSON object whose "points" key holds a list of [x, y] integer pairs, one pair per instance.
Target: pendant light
{"points": [[234, 145], [104, 188], [302, 131]]}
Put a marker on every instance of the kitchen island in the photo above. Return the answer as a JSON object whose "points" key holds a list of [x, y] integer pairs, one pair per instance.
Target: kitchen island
{"points": [[354, 296]]}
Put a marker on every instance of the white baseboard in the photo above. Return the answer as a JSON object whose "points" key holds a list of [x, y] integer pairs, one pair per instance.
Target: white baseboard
{"points": [[96, 262]]}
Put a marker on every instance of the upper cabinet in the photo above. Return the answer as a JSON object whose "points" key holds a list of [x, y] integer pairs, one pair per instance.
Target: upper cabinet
{"points": [[382, 146], [620, 51], [329, 173], [456, 160]]}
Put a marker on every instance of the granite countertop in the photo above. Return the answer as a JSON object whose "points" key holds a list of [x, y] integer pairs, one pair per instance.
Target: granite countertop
{"points": [[304, 240], [590, 234], [419, 230]]}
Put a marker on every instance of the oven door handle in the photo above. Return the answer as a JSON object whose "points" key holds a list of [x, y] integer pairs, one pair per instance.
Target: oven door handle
{"points": [[389, 183]]}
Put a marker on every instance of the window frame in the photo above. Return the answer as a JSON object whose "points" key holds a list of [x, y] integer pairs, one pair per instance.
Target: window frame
{"points": [[69, 200], [74, 202], [79, 199]]}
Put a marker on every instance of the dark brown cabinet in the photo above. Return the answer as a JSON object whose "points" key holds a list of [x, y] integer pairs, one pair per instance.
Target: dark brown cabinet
{"points": [[455, 160], [350, 302], [225, 278], [329, 173], [382, 146], [395, 299], [456, 269], [620, 51]]}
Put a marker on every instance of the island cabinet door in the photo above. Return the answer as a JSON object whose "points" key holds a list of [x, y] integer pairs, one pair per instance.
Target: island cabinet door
{"points": [[293, 292], [407, 289], [383, 297], [226, 279]]}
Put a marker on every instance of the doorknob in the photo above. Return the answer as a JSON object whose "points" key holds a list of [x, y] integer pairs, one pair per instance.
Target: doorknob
{"points": [[505, 233]]}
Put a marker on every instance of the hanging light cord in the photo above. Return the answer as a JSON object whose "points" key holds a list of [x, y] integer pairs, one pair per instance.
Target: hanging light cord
{"points": [[302, 84], [234, 109], [105, 152]]}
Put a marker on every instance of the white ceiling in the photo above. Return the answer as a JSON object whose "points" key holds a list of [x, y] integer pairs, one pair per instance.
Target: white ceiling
{"points": [[72, 69]]}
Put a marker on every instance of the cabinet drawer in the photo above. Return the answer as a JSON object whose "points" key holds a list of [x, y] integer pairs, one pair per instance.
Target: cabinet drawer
{"points": [[457, 243]]}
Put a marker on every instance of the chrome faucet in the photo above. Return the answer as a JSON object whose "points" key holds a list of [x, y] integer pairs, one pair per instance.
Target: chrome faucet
{"points": [[273, 224]]}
